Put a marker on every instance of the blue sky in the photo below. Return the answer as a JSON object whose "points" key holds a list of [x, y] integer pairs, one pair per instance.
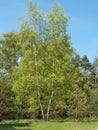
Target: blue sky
{"points": [[82, 26]]}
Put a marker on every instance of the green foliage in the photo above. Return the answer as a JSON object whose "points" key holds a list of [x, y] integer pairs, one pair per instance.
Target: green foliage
{"points": [[93, 103], [44, 63], [42, 74], [9, 51], [78, 104], [6, 97]]}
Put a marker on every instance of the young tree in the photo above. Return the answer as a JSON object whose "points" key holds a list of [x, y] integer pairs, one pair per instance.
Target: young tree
{"points": [[78, 104]]}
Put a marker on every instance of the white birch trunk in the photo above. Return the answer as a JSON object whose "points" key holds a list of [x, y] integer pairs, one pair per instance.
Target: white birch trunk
{"points": [[52, 93], [37, 83]]}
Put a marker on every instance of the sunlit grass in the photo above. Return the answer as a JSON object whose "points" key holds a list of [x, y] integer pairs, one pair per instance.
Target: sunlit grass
{"points": [[48, 125]]}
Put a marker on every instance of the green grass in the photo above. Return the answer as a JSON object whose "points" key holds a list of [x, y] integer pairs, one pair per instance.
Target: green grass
{"points": [[48, 125]]}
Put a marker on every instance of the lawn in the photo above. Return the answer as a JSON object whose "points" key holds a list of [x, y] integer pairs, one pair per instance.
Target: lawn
{"points": [[48, 125]]}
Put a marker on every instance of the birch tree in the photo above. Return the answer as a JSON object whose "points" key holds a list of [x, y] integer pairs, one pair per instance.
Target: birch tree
{"points": [[45, 59]]}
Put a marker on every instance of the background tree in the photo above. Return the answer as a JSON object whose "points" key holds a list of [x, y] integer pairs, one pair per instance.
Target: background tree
{"points": [[9, 51], [7, 106]]}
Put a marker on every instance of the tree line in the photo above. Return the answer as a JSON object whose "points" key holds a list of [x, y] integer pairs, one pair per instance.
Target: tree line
{"points": [[41, 74]]}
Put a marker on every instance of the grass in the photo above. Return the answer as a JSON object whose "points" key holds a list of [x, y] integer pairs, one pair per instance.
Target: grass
{"points": [[48, 125]]}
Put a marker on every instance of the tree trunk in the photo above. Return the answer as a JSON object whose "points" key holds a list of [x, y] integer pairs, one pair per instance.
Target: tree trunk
{"points": [[41, 107], [37, 83], [49, 104], [52, 93]]}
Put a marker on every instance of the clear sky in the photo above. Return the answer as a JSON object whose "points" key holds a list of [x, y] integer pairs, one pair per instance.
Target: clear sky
{"points": [[82, 26]]}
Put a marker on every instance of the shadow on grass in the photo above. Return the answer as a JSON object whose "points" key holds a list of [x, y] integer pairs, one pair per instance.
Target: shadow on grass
{"points": [[11, 126]]}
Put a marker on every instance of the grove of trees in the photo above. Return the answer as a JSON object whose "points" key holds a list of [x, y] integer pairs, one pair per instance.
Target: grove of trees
{"points": [[41, 74]]}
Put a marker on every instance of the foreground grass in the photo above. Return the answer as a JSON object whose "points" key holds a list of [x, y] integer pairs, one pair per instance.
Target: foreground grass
{"points": [[50, 125]]}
